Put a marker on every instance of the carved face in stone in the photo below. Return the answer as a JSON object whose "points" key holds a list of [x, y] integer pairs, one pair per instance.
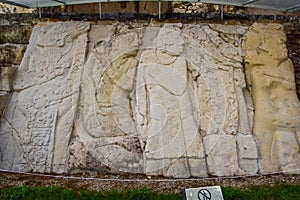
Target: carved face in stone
{"points": [[170, 41], [274, 50]]}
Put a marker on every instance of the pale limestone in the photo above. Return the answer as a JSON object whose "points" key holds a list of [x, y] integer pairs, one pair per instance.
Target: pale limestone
{"points": [[105, 124], [198, 167], [248, 153], [163, 99], [222, 157], [222, 106], [270, 77], [179, 168], [171, 130], [133, 99], [38, 121]]}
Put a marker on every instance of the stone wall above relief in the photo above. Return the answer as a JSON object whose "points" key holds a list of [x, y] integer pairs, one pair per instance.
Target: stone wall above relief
{"points": [[13, 42], [156, 99], [293, 45]]}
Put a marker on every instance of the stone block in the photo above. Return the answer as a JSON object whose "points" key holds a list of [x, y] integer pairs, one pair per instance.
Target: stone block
{"points": [[197, 167], [247, 147], [248, 153], [222, 155], [15, 34], [179, 168], [41, 112], [7, 77], [4, 98], [11, 54]]}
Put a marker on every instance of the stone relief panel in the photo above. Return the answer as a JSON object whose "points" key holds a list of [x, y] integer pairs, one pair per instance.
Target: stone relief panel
{"points": [[156, 99], [223, 109], [270, 76], [38, 123], [106, 124], [172, 101]]}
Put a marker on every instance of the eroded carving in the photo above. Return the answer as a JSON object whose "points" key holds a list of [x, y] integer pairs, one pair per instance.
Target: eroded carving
{"points": [[270, 76], [41, 112], [154, 101], [159, 99]]}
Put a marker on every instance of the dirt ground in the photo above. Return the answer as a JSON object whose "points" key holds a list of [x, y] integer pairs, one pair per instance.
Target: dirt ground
{"points": [[156, 184]]}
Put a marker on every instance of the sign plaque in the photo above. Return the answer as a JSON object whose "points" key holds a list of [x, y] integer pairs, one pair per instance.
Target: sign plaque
{"points": [[203, 193]]}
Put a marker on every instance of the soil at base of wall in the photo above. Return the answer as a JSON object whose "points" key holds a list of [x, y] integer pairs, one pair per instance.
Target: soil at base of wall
{"points": [[155, 184]]}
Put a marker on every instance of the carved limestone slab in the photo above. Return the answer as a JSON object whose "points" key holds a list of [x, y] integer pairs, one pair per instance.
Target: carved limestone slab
{"points": [[156, 99], [38, 123]]}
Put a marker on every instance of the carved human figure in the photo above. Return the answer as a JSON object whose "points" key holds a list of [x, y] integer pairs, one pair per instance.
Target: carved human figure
{"points": [[164, 108], [270, 76], [105, 124]]}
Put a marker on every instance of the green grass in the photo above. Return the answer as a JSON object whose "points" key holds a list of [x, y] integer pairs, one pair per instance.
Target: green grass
{"points": [[281, 192], [59, 193]]}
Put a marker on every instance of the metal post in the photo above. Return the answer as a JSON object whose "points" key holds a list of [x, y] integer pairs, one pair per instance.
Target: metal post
{"points": [[100, 10], [40, 13], [222, 12], [159, 9], [39, 9]]}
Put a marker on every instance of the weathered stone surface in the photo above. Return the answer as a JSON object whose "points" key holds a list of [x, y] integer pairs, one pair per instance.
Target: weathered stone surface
{"points": [[145, 103], [38, 122], [6, 85], [11, 54], [221, 94], [270, 77], [293, 45], [15, 34], [6, 81], [165, 111], [4, 98], [4, 22], [159, 99], [106, 125], [81, 161], [222, 157], [248, 153]]}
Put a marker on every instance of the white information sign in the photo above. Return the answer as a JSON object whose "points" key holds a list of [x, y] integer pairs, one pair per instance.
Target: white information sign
{"points": [[203, 193]]}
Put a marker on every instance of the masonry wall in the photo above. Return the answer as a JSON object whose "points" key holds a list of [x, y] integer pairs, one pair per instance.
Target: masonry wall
{"points": [[293, 44], [177, 100], [120, 7], [13, 42]]}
